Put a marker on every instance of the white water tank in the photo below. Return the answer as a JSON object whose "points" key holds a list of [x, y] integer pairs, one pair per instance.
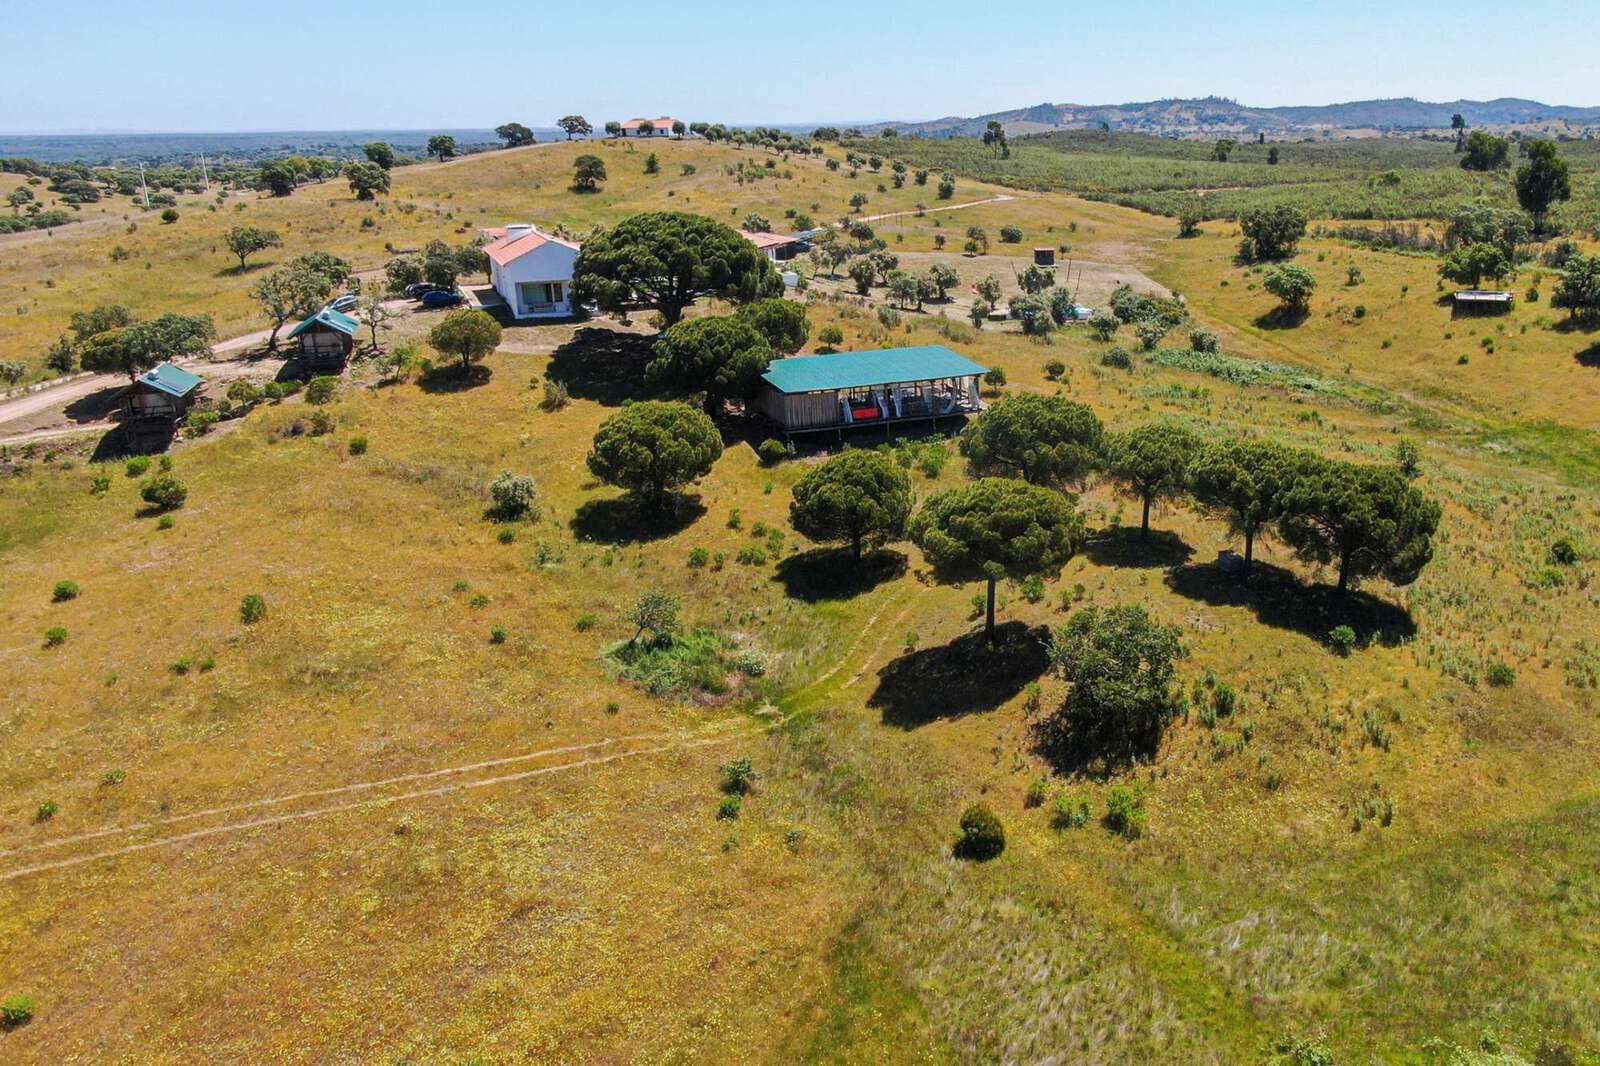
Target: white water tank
{"points": [[518, 229], [791, 279]]}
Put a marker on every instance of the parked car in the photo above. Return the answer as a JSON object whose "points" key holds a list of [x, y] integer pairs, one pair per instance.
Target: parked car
{"points": [[441, 298], [347, 302], [417, 290]]}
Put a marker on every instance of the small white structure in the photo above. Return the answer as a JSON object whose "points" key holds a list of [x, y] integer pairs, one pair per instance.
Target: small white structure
{"points": [[532, 271]]}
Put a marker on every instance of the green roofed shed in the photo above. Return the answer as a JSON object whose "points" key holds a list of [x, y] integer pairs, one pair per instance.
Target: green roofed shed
{"points": [[325, 339], [157, 399], [842, 390]]}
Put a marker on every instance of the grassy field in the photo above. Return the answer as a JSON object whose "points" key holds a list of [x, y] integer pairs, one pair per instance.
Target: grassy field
{"points": [[600, 911], [1333, 179]]}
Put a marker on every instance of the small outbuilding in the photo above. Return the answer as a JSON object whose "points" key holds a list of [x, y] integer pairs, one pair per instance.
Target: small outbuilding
{"points": [[157, 399], [851, 390], [778, 247], [1045, 257], [325, 339], [1491, 301]]}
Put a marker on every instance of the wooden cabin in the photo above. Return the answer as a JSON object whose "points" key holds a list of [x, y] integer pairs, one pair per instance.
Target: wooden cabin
{"points": [[325, 340], [891, 387], [156, 401]]}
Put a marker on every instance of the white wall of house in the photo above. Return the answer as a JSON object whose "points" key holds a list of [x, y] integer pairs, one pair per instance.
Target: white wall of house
{"points": [[537, 284]]}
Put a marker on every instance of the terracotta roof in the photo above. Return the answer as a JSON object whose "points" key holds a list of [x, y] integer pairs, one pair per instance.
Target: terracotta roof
{"points": [[663, 123], [505, 249], [768, 240]]}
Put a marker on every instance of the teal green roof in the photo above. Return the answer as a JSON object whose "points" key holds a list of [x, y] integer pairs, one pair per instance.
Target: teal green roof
{"points": [[330, 318], [170, 379], [858, 370]]}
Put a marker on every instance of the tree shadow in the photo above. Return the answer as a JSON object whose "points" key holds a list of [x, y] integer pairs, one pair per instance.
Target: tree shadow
{"points": [[96, 405], [1590, 356], [1280, 599], [450, 378], [1282, 317], [966, 676], [624, 520], [603, 365], [1578, 324], [239, 271], [1124, 546], [119, 443], [832, 574]]}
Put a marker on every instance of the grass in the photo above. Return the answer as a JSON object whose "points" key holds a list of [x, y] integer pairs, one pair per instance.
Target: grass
{"points": [[827, 922]]}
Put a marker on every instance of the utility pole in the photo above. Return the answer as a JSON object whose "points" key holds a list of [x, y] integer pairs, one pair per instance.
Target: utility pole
{"points": [[144, 188], [205, 175]]}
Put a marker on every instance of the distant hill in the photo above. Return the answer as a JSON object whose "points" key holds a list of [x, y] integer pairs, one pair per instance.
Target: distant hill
{"points": [[1219, 115]]}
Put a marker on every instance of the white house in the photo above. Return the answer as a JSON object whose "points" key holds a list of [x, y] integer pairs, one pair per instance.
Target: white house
{"points": [[532, 271]]}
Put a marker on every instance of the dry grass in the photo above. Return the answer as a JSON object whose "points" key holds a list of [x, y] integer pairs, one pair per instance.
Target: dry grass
{"points": [[603, 908]]}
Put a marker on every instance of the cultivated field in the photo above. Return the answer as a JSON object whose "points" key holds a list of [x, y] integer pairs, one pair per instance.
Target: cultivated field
{"points": [[361, 829]]}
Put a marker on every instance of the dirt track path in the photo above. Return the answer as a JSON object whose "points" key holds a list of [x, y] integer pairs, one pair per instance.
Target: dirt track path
{"points": [[997, 199]]}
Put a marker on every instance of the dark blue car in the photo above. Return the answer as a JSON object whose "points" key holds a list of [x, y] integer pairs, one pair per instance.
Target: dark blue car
{"points": [[441, 298]]}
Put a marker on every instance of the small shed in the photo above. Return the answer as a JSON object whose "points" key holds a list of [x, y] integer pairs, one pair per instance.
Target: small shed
{"points": [[1045, 257], [1486, 300], [778, 247], [155, 402], [325, 339], [848, 390]]}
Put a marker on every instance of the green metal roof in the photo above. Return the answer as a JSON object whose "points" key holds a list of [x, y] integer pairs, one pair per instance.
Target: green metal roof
{"points": [[171, 380], [856, 370], [330, 318]]}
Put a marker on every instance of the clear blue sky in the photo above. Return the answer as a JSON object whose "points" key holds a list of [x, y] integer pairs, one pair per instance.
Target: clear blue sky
{"points": [[173, 65]]}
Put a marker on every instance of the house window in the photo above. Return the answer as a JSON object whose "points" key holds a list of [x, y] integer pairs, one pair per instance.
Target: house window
{"points": [[552, 292]]}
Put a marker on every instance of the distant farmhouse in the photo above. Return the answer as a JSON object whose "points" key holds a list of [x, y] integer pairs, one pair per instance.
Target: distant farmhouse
{"points": [[778, 247], [531, 270], [653, 127]]}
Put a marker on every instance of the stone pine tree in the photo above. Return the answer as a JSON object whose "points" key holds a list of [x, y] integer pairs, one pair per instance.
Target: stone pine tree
{"points": [[468, 334], [1245, 483], [1369, 520], [669, 259], [858, 497], [1044, 440], [996, 528], [722, 356], [1151, 463], [653, 448]]}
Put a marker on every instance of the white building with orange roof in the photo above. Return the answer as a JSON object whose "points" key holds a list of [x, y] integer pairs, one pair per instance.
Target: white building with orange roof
{"points": [[531, 270], [658, 127]]}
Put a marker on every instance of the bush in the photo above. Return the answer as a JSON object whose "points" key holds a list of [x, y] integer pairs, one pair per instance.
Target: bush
{"points": [[320, 424], [321, 388], [513, 495], [1203, 340], [752, 555], [170, 215], [47, 810], [995, 378], [497, 634], [65, 590], [728, 809], [358, 446], [1070, 813], [698, 558], [1010, 234], [1118, 358], [1563, 552], [1038, 792], [772, 451], [252, 609], [100, 484], [1343, 639], [1125, 812], [137, 465], [55, 636], [556, 395], [164, 492], [982, 836], [16, 1011], [1054, 369], [507, 535], [200, 422], [738, 775], [164, 522], [1500, 674]]}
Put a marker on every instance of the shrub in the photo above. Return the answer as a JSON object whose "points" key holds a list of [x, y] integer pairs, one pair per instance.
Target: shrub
{"points": [[1070, 813], [358, 446], [556, 395], [1033, 588], [772, 451], [585, 623], [165, 522], [47, 810], [114, 776], [982, 836], [137, 465], [1010, 234], [200, 422], [55, 636], [321, 388], [16, 1011], [698, 558], [507, 535], [1500, 674], [170, 215], [513, 495], [497, 634], [181, 666], [1343, 639], [728, 809], [320, 424], [1563, 552], [995, 378], [1125, 812], [252, 609], [1118, 358], [100, 485], [1038, 791], [752, 555], [1054, 369], [1203, 340], [738, 775], [65, 590]]}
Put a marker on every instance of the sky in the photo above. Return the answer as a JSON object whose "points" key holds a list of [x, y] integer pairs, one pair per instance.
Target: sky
{"points": [[184, 65]]}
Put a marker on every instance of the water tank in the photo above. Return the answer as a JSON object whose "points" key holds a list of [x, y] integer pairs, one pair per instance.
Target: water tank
{"points": [[791, 279]]}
